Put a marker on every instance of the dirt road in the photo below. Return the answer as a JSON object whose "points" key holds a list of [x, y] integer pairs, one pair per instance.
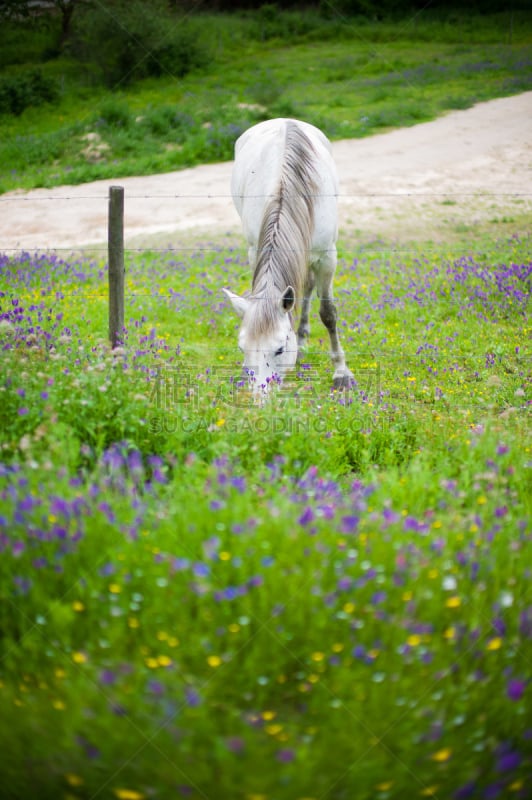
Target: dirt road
{"points": [[465, 170]]}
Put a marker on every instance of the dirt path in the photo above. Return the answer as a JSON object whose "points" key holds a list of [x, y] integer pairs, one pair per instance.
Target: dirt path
{"points": [[460, 173]]}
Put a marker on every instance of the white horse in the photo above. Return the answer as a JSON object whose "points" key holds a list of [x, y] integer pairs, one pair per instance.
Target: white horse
{"points": [[284, 186]]}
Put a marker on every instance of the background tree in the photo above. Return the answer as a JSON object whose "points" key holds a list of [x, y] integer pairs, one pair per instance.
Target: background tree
{"points": [[41, 11]]}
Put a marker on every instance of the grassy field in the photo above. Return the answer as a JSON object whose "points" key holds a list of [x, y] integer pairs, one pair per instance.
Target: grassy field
{"points": [[323, 598], [328, 597], [350, 77]]}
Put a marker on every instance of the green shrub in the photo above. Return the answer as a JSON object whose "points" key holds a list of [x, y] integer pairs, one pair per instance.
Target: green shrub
{"points": [[164, 120], [129, 45], [32, 88], [114, 113]]}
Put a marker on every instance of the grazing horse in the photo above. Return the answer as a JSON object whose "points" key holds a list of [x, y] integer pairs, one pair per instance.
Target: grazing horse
{"points": [[285, 188]]}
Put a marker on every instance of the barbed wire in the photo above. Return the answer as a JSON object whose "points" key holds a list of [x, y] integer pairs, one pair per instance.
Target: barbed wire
{"points": [[14, 198], [344, 253]]}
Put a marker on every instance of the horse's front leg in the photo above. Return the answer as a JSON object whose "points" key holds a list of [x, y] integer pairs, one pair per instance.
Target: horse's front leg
{"points": [[328, 315]]}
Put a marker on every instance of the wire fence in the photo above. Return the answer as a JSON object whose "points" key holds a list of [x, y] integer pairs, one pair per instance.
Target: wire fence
{"points": [[172, 225], [32, 196]]}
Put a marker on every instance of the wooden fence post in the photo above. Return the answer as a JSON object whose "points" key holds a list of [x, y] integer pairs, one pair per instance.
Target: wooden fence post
{"points": [[116, 263]]}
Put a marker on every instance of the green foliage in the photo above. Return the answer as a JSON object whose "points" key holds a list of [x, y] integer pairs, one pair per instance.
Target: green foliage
{"points": [[184, 571], [114, 113], [25, 89], [167, 121], [127, 43], [349, 77]]}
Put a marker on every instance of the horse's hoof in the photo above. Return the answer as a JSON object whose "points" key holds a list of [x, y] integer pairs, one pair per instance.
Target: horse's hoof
{"points": [[342, 382]]}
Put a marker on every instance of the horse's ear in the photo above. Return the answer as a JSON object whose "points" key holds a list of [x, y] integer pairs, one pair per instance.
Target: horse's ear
{"points": [[288, 299], [240, 304]]}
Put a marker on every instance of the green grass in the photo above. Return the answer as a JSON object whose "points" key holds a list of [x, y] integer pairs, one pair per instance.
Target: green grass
{"points": [[351, 78], [326, 597]]}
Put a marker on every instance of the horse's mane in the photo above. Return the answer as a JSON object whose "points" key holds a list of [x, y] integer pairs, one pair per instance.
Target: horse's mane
{"points": [[286, 233]]}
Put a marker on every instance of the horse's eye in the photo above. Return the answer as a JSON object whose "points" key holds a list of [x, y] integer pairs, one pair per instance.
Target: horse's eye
{"points": [[279, 352]]}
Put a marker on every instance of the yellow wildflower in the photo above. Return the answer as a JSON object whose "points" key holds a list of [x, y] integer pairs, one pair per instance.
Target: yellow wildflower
{"points": [[273, 729], [73, 780], [78, 658], [453, 602], [128, 794], [442, 755]]}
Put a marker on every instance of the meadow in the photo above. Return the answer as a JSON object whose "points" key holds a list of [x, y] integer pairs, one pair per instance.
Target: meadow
{"points": [[325, 597], [79, 119]]}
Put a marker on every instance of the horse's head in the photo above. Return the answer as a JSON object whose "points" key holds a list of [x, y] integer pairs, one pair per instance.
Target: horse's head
{"points": [[267, 340]]}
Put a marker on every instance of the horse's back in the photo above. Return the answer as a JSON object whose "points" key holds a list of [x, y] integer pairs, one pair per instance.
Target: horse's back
{"points": [[259, 155], [275, 129]]}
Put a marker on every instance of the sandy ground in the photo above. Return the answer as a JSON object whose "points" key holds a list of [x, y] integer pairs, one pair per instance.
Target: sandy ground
{"points": [[456, 175]]}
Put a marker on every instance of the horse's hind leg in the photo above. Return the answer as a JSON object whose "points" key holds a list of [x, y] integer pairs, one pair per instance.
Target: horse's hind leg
{"points": [[303, 331], [328, 316]]}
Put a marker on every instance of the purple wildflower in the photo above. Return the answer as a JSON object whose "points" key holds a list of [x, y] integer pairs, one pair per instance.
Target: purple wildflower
{"points": [[156, 687], [493, 791], [306, 517], [344, 584], [525, 623], [285, 756], [235, 744], [201, 570], [515, 689], [349, 524], [390, 516], [466, 791], [107, 677], [508, 761], [192, 697], [499, 626]]}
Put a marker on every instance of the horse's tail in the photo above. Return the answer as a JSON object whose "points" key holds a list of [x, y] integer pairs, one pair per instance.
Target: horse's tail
{"points": [[285, 237]]}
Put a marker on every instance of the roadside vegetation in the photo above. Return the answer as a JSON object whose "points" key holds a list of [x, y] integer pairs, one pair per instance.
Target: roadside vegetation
{"points": [[323, 598], [135, 93], [327, 597]]}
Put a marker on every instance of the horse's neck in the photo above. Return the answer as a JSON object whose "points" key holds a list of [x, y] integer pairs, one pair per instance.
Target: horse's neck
{"points": [[282, 249]]}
